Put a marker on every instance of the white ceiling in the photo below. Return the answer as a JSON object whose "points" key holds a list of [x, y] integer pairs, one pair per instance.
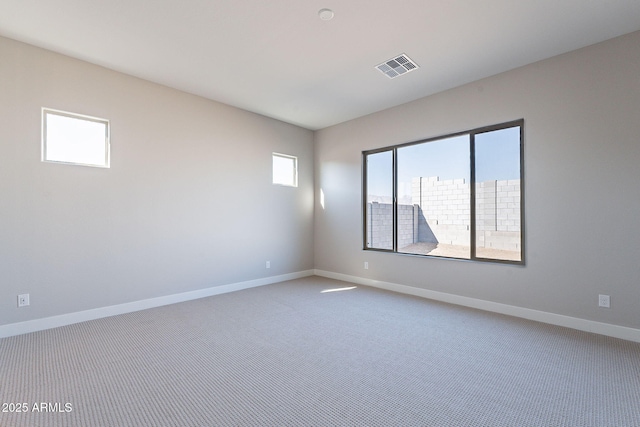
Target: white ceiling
{"points": [[277, 58]]}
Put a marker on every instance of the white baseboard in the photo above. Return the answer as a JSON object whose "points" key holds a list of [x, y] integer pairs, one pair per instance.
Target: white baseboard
{"points": [[98, 313], [607, 329]]}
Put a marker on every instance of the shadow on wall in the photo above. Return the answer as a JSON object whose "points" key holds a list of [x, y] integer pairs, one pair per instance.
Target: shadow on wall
{"points": [[425, 232]]}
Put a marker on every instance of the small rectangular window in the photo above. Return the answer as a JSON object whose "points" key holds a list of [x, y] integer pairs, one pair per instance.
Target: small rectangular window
{"points": [[285, 170], [74, 139]]}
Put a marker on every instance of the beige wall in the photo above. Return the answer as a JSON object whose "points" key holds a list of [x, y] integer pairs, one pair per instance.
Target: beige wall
{"points": [[187, 203], [582, 175]]}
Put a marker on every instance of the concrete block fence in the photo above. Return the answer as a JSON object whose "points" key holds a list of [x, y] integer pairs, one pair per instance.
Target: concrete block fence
{"points": [[380, 225], [440, 213]]}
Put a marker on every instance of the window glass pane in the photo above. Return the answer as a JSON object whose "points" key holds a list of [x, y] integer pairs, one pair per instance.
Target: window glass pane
{"points": [[75, 140], [433, 198], [498, 210], [285, 170], [379, 209]]}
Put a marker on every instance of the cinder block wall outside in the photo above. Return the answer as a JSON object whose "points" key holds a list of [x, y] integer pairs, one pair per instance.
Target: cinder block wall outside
{"points": [[445, 210], [498, 214], [440, 214], [380, 225]]}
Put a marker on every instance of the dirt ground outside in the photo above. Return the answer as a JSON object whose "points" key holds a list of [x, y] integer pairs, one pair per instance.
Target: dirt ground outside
{"points": [[456, 251]]}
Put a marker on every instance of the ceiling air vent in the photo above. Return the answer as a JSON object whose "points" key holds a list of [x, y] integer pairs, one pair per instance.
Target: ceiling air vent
{"points": [[397, 66]]}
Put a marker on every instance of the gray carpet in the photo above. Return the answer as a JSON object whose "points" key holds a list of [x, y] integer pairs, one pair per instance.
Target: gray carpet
{"points": [[289, 355]]}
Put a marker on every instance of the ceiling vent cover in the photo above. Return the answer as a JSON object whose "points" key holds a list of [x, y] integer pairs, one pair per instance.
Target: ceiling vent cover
{"points": [[397, 66]]}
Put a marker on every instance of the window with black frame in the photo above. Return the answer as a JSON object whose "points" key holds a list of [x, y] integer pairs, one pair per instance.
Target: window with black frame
{"points": [[456, 196]]}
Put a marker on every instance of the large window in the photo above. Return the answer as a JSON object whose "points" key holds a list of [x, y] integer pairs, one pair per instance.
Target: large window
{"points": [[74, 139], [456, 196]]}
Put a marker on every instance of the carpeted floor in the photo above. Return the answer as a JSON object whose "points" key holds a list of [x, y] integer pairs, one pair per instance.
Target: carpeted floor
{"points": [[290, 354]]}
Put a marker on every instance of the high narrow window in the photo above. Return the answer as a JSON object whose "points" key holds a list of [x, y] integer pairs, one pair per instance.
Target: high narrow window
{"points": [[74, 139], [285, 170], [456, 196]]}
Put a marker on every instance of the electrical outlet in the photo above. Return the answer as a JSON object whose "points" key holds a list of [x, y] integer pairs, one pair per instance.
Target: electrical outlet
{"points": [[268, 264], [23, 300], [604, 301], [366, 265]]}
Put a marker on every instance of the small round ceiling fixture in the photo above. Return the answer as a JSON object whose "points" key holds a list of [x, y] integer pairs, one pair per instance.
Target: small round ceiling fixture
{"points": [[326, 14]]}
